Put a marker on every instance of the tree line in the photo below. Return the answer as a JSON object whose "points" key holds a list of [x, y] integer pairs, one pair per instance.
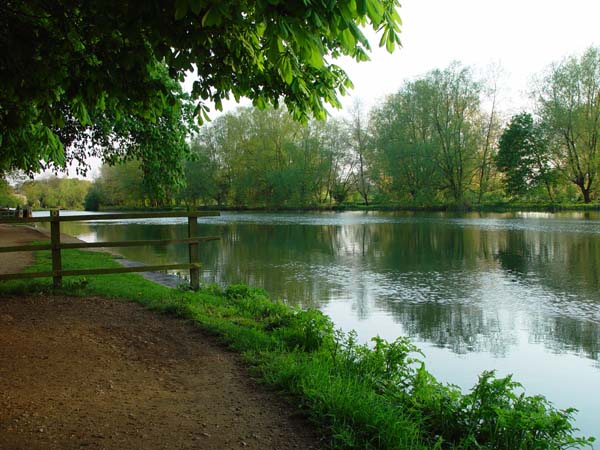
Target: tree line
{"points": [[440, 139]]}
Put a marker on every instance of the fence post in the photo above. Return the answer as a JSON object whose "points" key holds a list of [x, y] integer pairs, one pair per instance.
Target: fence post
{"points": [[193, 251], [55, 242]]}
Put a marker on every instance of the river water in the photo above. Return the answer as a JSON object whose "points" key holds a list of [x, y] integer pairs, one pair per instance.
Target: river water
{"points": [[514, 292]]}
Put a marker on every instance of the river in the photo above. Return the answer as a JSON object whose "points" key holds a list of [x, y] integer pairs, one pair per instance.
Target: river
{"points": [[514, 292]]}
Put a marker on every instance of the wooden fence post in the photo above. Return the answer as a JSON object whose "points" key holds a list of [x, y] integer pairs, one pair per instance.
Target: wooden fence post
{"points": [[193, 251], [55, 242]]}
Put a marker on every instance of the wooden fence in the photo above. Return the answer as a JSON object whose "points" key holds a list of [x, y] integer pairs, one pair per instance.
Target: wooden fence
{"points": [[56, 246]]}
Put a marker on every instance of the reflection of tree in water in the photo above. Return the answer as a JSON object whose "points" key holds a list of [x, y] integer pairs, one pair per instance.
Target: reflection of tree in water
{"points": [[432, 269], [460, 328], [563, 334], [513, 253], [562, 262]]}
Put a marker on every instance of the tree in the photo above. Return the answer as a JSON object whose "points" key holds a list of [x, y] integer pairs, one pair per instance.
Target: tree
{"points": [[63, 62], [120, 185], [7, 195], [490, 130], [569, 105], [455, 100], [523, 157], [359, 142], [337, 174], [253, 157], [404, 141], [56, 192], [428, 134]]}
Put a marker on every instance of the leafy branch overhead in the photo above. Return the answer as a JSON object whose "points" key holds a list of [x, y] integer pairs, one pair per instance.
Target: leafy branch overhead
{"points": [[64, 62]]}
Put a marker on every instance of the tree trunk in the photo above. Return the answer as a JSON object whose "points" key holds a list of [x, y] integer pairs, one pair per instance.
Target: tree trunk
{"points": [[586, 195]]}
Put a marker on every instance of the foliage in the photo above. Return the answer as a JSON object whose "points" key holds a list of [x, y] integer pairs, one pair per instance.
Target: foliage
{"points": [[67, 67], [263, 158], [523, 156], [428, 135], [569, 105], [120, 185], [404, 144], [53, 192], [360, 146], [377, 396], [92, 200], [7, 197]]}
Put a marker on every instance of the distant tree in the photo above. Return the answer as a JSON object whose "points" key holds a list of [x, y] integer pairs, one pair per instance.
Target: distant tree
{"points": [[429, 135], [121, 185], [569, 106], [490, 130], [92, 200], [56, 192], [523, 156], [7, 195], [340, 176], [455, 103], [359, 143], [202, 174], [404, 141]]}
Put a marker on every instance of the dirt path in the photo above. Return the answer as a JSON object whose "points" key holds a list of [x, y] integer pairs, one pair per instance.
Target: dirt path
{"points": [[16, 235], [93, 373]]}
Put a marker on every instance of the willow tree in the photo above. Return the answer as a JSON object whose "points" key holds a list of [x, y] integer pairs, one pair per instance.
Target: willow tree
{"points": [[569, 105], [65, 62], [455, 104], [404, 141], [429, 133]]}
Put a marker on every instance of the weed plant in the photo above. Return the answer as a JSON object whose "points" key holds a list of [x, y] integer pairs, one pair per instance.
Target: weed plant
{"points": [[376, 396]]}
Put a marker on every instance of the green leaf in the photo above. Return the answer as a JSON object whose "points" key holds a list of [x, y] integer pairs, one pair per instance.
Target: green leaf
{"points": [[181, 9], [196, 6], [315, 57], [212, 17], [285, 70], [75, 41], [361, 7], [389, 44], [348, 40], [81, 112], [375, 11]]}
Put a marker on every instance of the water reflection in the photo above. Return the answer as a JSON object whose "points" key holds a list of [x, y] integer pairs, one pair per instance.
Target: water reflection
{"points": [[461, 282]]}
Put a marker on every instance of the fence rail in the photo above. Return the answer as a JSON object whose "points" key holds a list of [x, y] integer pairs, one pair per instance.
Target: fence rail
{"points": [[56, 246]]}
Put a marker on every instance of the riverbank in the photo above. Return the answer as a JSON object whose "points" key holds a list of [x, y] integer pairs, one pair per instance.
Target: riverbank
{"points": [[366, 397], [491, 207]]}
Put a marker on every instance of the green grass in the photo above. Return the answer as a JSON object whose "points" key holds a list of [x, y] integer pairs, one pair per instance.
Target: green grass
{"points": [[366, 397]]}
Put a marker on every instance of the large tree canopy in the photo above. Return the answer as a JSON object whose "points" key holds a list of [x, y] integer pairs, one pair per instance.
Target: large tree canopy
{"points": [[65, 65]]}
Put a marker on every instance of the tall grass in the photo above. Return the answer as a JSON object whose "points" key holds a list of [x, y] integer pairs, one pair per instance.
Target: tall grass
{"points": [[377, 396]]}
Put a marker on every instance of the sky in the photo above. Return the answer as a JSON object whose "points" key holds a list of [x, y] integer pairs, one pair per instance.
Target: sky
{"points": [[523, 37]]}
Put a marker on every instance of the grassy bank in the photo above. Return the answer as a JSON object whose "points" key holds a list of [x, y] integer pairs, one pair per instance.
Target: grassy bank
{"points": [[486, 207], [370, 397]]}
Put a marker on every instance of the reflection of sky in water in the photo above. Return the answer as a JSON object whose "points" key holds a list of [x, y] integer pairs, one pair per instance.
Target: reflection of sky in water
{"points": [[516, 292]]}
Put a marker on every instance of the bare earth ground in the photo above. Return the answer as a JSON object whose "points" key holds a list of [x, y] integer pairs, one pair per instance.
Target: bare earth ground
{"points": [[96, 373]]}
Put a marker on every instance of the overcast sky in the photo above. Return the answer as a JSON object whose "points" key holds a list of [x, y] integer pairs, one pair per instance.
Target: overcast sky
{"points": [[523, 36]]}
